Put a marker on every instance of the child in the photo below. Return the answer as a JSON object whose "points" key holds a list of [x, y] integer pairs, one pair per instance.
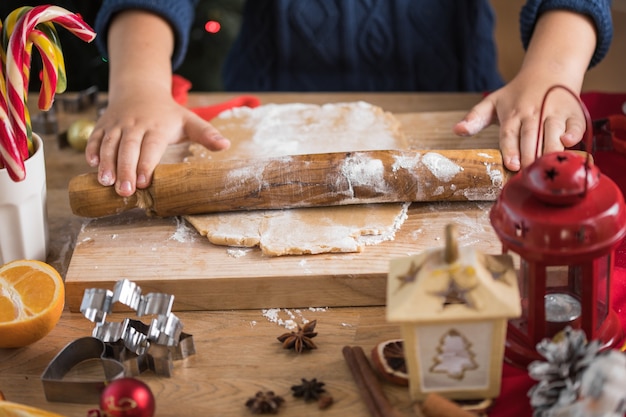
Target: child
{"points": [[335, 45]]}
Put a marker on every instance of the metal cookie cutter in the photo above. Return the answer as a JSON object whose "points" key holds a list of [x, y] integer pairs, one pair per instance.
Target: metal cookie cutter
{"points": [[84, 391], [138, 345], [165, 329], [125, 348]]}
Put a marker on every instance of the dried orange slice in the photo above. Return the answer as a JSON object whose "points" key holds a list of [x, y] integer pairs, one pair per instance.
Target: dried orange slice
{"points": [[388, 360], [32, 296], [10, 409]]}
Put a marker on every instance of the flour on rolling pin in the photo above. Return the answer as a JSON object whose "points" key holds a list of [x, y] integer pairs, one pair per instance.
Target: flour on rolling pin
{"points": [[445, 170], [277, 130]]}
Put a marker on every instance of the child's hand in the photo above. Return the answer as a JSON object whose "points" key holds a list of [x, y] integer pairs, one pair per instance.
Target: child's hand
{"points": [[559, 52], [516, 109], [132, 135]]}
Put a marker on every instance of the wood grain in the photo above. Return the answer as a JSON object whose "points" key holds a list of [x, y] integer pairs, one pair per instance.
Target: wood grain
{"points": [[314, 180], [237, 353], [208, 277]]}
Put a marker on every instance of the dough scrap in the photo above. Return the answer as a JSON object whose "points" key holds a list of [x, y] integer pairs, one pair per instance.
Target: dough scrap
{"points": [[290, 129]]}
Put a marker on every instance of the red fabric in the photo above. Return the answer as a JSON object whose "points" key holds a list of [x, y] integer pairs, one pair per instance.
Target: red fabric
{"points": [[180, 89], [602, 105], [180, 92]]}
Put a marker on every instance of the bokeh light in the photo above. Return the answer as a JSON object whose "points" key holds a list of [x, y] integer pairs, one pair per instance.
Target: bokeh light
{"points": [[212, 26]]}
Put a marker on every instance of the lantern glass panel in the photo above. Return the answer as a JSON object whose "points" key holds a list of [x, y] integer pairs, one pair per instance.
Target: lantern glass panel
{"points": [[559, 279], [602, 267], [562, 299]]}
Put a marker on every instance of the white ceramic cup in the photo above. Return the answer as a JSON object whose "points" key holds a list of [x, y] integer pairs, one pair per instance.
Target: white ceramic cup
{"points": [[23, 211]]}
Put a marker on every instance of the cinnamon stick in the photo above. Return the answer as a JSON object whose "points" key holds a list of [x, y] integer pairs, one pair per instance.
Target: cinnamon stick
{"points": [[371, 405], [368, 384], [436, 405]]}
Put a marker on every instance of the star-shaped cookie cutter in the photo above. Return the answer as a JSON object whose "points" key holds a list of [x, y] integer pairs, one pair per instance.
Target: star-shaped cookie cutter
{"points": [[138, 345]]}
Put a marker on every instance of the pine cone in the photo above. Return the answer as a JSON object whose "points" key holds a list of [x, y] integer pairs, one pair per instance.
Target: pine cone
{"points": [[568, 355]]}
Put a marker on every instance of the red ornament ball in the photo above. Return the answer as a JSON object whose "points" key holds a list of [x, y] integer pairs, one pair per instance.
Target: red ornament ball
{"points": [[127, 397]]}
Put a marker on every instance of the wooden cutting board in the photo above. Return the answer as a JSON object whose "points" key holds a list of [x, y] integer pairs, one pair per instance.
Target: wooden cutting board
{"points": [[167, 255]]}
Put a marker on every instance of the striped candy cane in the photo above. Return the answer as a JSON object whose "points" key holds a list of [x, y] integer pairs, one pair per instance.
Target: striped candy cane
{"points": [[9, 154], [18, 62], [49, 57]]}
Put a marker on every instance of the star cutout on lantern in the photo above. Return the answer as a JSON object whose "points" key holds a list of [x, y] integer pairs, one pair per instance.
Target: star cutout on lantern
{"points": [[582, 235], [561, 158], [455, 294], [521, 229], [410, 275], [551, 173]]}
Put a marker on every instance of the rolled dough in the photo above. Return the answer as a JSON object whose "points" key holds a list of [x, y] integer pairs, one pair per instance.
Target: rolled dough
{"points": [[291, 129]]}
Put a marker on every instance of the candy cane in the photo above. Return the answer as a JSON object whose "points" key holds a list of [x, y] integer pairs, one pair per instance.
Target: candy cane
{"points": [[9, 154], [17, 58], [50, 32], [49, 58], [54, 80]]}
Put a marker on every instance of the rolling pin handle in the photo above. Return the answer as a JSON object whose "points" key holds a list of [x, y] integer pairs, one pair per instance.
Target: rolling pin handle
{"points": [[88, 198]]}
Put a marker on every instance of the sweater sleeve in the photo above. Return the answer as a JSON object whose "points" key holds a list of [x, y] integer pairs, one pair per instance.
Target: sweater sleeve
{"points": [[179, 14], [598, 10]]}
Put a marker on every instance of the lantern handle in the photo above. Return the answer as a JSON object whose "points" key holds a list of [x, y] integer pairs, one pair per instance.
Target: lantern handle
{"points": [[588, 135]]}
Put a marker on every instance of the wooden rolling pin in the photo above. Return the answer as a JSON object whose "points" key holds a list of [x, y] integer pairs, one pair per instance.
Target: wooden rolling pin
{"points": [[302, 181]]}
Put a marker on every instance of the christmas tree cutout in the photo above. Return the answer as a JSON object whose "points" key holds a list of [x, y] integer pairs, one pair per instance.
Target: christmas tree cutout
{"points": [[454, 355]]}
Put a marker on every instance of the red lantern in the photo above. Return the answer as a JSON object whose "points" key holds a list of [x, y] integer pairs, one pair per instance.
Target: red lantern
{"points": [[564, 219]]}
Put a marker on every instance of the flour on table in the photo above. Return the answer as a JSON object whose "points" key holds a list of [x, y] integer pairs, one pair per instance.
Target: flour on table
{"points": [[275, 130]]}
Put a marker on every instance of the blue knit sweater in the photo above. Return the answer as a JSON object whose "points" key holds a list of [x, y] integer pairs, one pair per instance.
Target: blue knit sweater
{"points": [[362, 45]]}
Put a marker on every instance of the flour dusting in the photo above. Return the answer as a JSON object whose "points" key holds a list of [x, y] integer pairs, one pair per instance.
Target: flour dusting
{"points": [[496, 175], [405, 162], [297, 128], [238, 252], [183, 232], [374, 238], [289, 318], [239, 177], [440, 166], [362, 171]]}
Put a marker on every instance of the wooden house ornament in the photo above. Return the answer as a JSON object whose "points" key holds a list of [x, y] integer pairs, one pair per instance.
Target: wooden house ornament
{"points": [[453, 305]]}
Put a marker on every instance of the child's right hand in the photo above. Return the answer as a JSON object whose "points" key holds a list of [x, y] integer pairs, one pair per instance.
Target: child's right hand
{"points": [[132, 135]]}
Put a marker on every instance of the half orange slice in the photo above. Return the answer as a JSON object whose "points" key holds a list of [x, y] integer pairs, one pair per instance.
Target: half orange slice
{"points": [[32, 296]]}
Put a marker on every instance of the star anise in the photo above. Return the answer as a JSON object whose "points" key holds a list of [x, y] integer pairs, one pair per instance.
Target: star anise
{"points": [[309, 390], [264, 403], [301, 339]]}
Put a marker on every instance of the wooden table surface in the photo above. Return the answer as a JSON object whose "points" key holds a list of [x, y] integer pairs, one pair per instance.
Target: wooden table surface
{"points": [[237, 353]]}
